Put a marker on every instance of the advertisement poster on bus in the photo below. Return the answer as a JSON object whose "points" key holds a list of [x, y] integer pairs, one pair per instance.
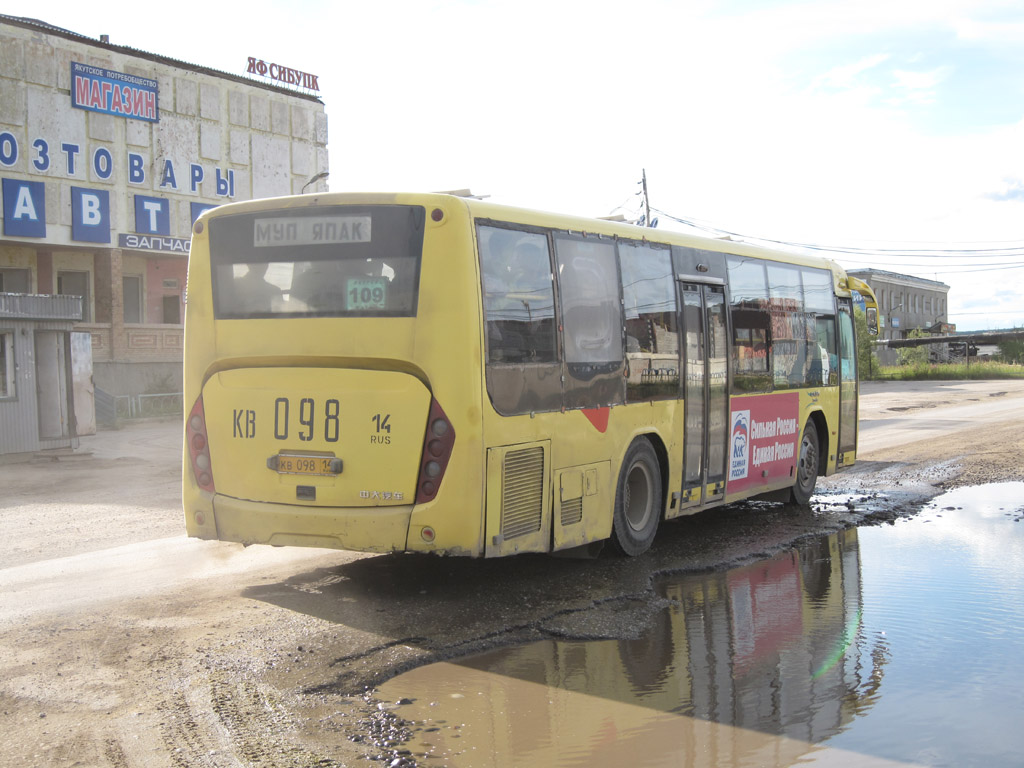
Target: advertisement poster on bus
{"points": [[763, 439]]}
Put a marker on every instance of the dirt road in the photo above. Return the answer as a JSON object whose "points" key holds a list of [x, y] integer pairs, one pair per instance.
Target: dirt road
{"points": [[122, 643]]}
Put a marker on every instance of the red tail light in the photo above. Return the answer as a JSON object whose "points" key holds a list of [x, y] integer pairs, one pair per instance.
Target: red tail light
{"points": [[437, 450], [199, 447]]}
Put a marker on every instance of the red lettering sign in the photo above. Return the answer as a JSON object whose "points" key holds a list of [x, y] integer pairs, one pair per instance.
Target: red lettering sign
{"points": [[282, 74]]}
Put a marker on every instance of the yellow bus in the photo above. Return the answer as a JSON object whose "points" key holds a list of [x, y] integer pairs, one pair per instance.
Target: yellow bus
{"points": [[425, 372]]}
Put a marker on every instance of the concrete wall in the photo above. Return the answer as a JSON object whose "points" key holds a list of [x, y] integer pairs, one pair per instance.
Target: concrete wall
{"points": [[138, 378]]}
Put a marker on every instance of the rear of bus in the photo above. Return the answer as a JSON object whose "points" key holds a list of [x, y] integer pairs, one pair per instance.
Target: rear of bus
{"points": [[332, 375]]}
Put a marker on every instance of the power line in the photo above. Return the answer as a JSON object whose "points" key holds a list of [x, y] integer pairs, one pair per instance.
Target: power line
{"points": [[958, 252], [1018, 265], [928, 264], [954, 313]]}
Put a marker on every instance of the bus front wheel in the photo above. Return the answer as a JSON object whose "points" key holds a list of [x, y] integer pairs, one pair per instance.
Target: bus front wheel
{"points": [[807, 466], [637, 500]]}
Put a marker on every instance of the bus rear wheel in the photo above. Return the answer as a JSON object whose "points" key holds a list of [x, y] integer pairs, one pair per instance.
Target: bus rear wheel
{"points": [[807, 466], [638, 501]]}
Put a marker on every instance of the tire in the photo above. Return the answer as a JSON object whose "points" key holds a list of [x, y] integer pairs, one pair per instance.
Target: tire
{"points": [[806, 467], [638, 500]]}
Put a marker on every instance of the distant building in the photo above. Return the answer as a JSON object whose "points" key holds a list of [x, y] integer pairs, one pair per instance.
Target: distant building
{"points": [[107, 156], [905, 304]]}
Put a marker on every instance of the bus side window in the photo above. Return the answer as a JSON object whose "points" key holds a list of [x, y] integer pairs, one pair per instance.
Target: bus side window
{"points": [[591, 319], [751, 325], [518, 294], [652, 340], [790, 334], [847, 348], [825, 365], [820, 304]]}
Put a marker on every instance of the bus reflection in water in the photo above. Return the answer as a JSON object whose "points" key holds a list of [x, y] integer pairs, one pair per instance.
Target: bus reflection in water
{"points": [[751, 666]]}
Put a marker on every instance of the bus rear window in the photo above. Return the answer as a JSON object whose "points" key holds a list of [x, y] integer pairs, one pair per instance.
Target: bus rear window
{"points": [[317, 262]]}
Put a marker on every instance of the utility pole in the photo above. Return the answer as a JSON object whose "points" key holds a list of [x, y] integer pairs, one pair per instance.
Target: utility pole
{"points": [[647, 204]]}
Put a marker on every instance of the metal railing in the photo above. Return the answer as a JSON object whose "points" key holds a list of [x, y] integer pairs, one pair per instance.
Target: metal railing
{"points": [[147, 406]]}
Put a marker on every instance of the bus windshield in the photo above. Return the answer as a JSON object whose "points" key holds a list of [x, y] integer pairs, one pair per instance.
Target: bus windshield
{"points": [[317, 262]]}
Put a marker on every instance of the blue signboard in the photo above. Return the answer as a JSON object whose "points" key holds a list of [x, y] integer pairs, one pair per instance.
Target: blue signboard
{"points": [[113, 93], [152, 215], [24, 208], [197, 210], [90, 215]]}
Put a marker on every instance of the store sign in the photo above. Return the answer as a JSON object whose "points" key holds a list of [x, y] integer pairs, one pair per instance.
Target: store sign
{"points": [[24, 208], [196, 210], [90, 215], [152, 215], [282, 74], [151, 243], [48, 156], [113, 93]]}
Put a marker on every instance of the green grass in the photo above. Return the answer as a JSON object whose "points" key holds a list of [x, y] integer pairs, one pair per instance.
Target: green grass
{"points": [[945, 371]]}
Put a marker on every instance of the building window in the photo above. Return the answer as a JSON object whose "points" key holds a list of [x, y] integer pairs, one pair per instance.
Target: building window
{"points": [[6, 364], [132, 286], [76, 284], [171, 310], [15, 281]]}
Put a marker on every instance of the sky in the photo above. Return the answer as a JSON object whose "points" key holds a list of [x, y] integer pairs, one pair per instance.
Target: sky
{"points": [[873, 127]]}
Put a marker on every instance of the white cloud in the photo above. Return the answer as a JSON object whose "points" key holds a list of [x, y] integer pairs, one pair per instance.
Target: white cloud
{"points": [[920, 87], [849, 75], [998, 32]]}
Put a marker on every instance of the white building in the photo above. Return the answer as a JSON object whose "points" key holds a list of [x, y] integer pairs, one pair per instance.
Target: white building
{"points": [[107, 156], [905, 303]]}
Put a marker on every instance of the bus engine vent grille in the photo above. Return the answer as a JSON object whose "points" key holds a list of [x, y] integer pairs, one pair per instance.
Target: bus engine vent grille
{"points": [[572, 511], [522, 492]]}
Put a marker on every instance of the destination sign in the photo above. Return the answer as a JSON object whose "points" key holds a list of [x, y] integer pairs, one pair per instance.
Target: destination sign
{"points": [[310, 230]]}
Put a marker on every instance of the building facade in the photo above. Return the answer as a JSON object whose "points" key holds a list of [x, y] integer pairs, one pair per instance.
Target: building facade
{"points": [[107, 156], [905, 304], [46, 397]]}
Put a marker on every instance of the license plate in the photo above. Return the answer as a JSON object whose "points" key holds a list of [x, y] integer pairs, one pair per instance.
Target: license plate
{"points": [[304, 465]]}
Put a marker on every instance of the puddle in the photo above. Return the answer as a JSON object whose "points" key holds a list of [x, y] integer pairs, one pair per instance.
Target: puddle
{"points": [[890, 645]]}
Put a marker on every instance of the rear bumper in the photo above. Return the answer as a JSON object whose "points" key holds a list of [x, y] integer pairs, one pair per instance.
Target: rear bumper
{"points": [[362, 529]]}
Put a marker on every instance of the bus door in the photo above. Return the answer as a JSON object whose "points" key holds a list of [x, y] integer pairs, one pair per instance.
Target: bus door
{"points": [[705, 391], [847, 385]]}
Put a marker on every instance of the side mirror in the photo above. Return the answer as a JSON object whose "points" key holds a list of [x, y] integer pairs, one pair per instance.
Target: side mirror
{"points": [[872, 314]]}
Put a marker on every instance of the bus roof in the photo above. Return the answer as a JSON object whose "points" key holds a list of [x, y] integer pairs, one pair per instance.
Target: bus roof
{"points": [[479, 208]]}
